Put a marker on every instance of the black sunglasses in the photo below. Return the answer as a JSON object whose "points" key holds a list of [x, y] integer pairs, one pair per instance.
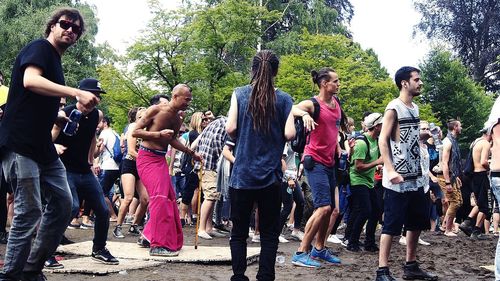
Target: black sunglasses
{"points": [[64, 24]]}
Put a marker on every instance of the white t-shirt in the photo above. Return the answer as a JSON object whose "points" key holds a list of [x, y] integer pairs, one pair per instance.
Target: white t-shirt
{"points": [[109, 137]]}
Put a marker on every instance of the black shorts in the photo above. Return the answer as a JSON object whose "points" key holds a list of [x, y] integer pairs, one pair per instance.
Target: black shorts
{"points": [[129, 167], [480, 187], [410, 209]]}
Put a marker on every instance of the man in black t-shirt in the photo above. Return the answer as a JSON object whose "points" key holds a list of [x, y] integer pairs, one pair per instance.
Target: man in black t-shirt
{"points": [[29, 159], [78, 160]]}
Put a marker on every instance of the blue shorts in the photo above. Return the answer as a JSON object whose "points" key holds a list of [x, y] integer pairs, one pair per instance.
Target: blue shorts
{"points": [[410, 209], [321, 179]]}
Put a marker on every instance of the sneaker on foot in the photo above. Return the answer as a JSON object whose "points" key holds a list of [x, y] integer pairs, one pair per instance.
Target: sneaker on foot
{"points": [[217, 234], [104, 256], [476, 235], [87, 225], [324, 255], [256, 238], [282, 239], [74, 226], [128, 220], [344, 242], [384, 275], [413, 272], [467, 227], [422, 242], [402, 241], [144, 243], [332, 238], [204, 235], [450, 234], [297, 234], [117, 232], [371, 248], [134, 230], [162, 252], [304, 260], [52, 263], [353, 248]]}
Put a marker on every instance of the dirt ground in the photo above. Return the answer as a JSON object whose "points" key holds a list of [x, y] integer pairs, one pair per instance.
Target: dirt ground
{"points": [[450, 258]]}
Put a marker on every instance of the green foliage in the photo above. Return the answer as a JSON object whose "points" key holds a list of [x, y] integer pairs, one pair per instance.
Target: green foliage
{"points": [[24, 21], [365, 85], [472, 28], [451, 93]]}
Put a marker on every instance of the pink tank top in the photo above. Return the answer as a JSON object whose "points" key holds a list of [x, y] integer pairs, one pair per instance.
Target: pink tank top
{"points": [[323, 139]]}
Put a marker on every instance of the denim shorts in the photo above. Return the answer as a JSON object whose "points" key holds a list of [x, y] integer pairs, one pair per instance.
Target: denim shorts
{"points": [[410, 209], [321, 179]]}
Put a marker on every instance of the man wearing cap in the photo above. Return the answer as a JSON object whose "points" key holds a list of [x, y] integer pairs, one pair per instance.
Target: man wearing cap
{"points": [[28, 154], [364, 161], [78, 160]]}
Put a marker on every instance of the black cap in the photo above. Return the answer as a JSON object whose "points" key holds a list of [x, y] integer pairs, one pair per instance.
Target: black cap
{"points": [[91, 85]]}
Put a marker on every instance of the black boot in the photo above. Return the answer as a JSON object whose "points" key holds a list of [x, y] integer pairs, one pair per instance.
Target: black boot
{"points": [[466, 226], [383, 274], [413, 272]]}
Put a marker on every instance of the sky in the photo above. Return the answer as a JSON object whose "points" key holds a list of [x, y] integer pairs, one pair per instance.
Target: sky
{"points": [[386, 26]]}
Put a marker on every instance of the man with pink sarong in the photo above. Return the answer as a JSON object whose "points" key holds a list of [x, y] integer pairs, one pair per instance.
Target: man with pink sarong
{"points": [[158, 128]]}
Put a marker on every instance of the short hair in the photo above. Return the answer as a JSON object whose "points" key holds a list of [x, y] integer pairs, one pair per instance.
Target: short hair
{"points": [[321, 75], [452, 124], [107, 120], [404, 74], [72, 14], [132, 113], [156, 99]]}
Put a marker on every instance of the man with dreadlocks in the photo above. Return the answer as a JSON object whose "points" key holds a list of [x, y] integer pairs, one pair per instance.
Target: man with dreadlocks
{"points": [[260, 121], [318, 165]]}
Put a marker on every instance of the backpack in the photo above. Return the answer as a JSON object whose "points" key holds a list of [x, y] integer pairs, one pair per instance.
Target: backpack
{"points": [[186, 163], [301, 134], [469, 162], [363, 137], [117, 153]]}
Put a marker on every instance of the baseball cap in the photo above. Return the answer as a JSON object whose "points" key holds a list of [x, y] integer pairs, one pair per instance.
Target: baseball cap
{"points": [[91, 85], [373, 120]]}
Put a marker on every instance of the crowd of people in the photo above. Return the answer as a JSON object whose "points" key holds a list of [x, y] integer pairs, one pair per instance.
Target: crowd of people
{"points": [[234, 176]]}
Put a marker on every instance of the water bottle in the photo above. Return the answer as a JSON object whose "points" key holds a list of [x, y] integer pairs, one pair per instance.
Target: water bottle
{"points": [[280, 260], [343, 161], [289, 190], [74, 118]]}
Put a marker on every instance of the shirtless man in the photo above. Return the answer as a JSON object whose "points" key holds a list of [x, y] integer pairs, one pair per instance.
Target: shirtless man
{"points": [[162, 123]]}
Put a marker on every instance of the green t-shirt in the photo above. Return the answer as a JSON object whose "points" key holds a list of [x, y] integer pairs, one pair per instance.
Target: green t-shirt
{"points": [[364, 177]]}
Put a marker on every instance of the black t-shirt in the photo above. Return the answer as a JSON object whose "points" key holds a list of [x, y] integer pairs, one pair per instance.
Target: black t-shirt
{"points": [[433, 155], [28, 116], [75, 157]]}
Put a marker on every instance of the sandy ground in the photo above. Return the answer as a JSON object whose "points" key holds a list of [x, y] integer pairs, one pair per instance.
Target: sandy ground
{"points": [[451, 258]]}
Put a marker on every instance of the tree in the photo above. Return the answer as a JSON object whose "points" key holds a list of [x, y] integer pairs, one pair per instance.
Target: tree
{"points": [[364, 84], [24, 21], [472, 28], [452, 93]]}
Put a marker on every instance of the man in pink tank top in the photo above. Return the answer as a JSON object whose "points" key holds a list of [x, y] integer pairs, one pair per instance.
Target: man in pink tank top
{"points": [[319, 165]]}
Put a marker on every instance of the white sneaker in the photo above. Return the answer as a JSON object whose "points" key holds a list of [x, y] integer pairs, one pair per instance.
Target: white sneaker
{"points": [[282, 239], [204, 235], [340, 236], [422, 242], [342, 226], [298, 234], [289, 226], [332, 238], [256, 238], [402, 240]]}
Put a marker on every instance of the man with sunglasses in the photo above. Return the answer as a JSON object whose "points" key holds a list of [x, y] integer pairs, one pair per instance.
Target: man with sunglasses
{"points": [[28, 155]]}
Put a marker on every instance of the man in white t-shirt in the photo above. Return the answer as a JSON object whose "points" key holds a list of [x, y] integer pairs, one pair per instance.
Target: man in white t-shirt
{"points": [[110, 170]]}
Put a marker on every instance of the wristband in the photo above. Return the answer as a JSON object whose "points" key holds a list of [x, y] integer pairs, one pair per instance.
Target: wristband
{"points": [[307, 113]]}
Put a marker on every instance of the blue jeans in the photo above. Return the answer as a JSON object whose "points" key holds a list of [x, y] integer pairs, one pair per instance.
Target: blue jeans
{"points": [[178, 183], [29, 180], [495, 188], [87, 187]]}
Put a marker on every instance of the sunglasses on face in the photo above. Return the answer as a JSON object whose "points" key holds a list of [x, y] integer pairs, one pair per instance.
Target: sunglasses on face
{"points": [[64, 24]]}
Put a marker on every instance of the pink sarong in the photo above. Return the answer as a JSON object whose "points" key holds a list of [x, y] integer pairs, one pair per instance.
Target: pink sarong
{"points": [[164, 226]]}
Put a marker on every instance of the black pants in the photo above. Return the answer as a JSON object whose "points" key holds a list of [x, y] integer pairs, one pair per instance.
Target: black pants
{"points": [[269, 203], [3, 205], [288, 200], [364, 207]]}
